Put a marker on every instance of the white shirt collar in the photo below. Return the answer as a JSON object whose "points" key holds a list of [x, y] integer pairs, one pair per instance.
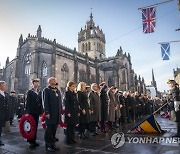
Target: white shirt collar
{"points": [[2, 93]]}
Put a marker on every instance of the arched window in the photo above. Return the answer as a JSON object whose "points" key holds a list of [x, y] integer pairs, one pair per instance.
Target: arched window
{"points": [[86, 47], [89, 46], [93, 79], [27, 63], [64, 74], [82, 76], [83, 47], [110, 81], [44, 69]]}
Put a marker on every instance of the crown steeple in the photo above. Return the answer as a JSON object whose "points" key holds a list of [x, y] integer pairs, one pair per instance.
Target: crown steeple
{"points": [[39, 32], [91, 40]]}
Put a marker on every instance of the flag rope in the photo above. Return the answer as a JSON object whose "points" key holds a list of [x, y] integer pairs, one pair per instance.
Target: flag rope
{"points": [[131, 31], [155, 4], [169, 42]]}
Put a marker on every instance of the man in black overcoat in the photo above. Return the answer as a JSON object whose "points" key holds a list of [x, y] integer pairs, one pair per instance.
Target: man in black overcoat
{"points": [[52, 108], [4, 107]]}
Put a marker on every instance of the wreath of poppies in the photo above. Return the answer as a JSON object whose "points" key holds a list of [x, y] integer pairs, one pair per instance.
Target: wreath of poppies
{"points": [[27, 126], [61, 124], [43, 124]]}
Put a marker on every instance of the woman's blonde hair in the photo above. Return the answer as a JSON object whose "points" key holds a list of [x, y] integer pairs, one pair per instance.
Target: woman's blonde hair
{"points": [[79, 87]]}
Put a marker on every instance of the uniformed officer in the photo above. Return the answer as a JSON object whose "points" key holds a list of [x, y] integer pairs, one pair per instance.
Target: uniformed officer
{"points": [[12, 106], [34, 107], [4, 107], [175, 94]]}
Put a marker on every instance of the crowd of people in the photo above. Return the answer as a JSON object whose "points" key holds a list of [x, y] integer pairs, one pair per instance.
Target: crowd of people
{"points": [[95, 108]]}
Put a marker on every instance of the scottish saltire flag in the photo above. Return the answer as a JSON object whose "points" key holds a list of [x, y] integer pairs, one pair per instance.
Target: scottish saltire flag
{"points": [[165, 51], [149, 19], [149, 125]]}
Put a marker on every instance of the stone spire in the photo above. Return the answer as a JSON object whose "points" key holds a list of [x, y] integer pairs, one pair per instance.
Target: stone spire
{"points": [[20, 40], [39, 32], [153, 82], [7, 61]]}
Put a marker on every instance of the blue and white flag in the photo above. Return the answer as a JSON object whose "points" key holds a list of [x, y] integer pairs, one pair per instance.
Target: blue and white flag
{"points": [[165, 51]]}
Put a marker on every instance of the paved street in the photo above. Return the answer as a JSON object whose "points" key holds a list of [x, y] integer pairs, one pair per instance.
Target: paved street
{"points": [[15, 144]]}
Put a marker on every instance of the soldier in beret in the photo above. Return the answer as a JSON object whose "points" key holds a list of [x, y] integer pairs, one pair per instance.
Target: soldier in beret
{"points": [[4, 107]]}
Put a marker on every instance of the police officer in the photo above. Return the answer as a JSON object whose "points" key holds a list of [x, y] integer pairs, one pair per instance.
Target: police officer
{"points": [[4, 107], [34, 107], [175, 94]]}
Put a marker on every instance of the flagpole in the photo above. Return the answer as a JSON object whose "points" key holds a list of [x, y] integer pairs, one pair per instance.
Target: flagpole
{"points": [[169, 42], [159, 108], [155, 4]]}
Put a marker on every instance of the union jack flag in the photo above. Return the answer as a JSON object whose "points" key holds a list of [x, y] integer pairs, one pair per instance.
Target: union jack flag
{"points": [[149, 19]]}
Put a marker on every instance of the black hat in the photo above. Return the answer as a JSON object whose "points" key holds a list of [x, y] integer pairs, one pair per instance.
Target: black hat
{"points": [[12, 92], [171, 82], [35, 80]]}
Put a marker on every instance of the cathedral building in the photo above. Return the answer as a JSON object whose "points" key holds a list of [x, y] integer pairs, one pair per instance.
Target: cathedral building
{"points": [[39, 57]]}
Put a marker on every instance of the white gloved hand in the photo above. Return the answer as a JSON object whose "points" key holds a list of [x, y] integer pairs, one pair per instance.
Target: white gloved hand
{"points": [[176, 105]]}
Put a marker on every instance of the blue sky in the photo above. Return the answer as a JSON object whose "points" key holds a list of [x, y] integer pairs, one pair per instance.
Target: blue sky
{"points": [[119, 19]]}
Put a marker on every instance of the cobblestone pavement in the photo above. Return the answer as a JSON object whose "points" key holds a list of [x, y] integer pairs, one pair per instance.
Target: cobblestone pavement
{"points": [[15, 144]]}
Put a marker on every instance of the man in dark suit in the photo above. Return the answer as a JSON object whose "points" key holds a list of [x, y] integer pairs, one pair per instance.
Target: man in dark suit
{"points": [[52, 108], [34, 107], [4, 107]]}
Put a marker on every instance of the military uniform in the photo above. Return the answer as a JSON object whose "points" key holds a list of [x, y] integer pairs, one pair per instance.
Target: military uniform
{"points": [[34, 108], [175, 93], [4, 110]]}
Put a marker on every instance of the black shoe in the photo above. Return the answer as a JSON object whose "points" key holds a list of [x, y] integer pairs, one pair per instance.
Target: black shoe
{"points": [[69, 142], [32, 145], [36, 144], [73, 141], [176, 135], [50, 149], [93, 134], [85, 136], [96, 133], [1, 144], [55, 148], [56, 139], [82, 137]]}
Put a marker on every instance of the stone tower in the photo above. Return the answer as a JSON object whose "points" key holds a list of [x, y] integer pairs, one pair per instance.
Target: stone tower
{"points": [[153, 82], [91, 40]]}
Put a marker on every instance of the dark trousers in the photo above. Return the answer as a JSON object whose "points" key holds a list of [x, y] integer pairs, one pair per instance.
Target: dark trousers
{"points": [[102, 125], [93, 126], [0, 133], [70, 132], [82, 128], [36, 118], [49, 136]]}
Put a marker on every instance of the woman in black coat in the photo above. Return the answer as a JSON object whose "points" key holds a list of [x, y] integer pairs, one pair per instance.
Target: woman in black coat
{"points": [[84, 108], [71, 111], [104, 105], [4, 107]]}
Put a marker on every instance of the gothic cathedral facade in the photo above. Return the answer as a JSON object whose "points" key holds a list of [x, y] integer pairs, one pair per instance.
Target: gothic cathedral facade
{"points": [[38, 57]]}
